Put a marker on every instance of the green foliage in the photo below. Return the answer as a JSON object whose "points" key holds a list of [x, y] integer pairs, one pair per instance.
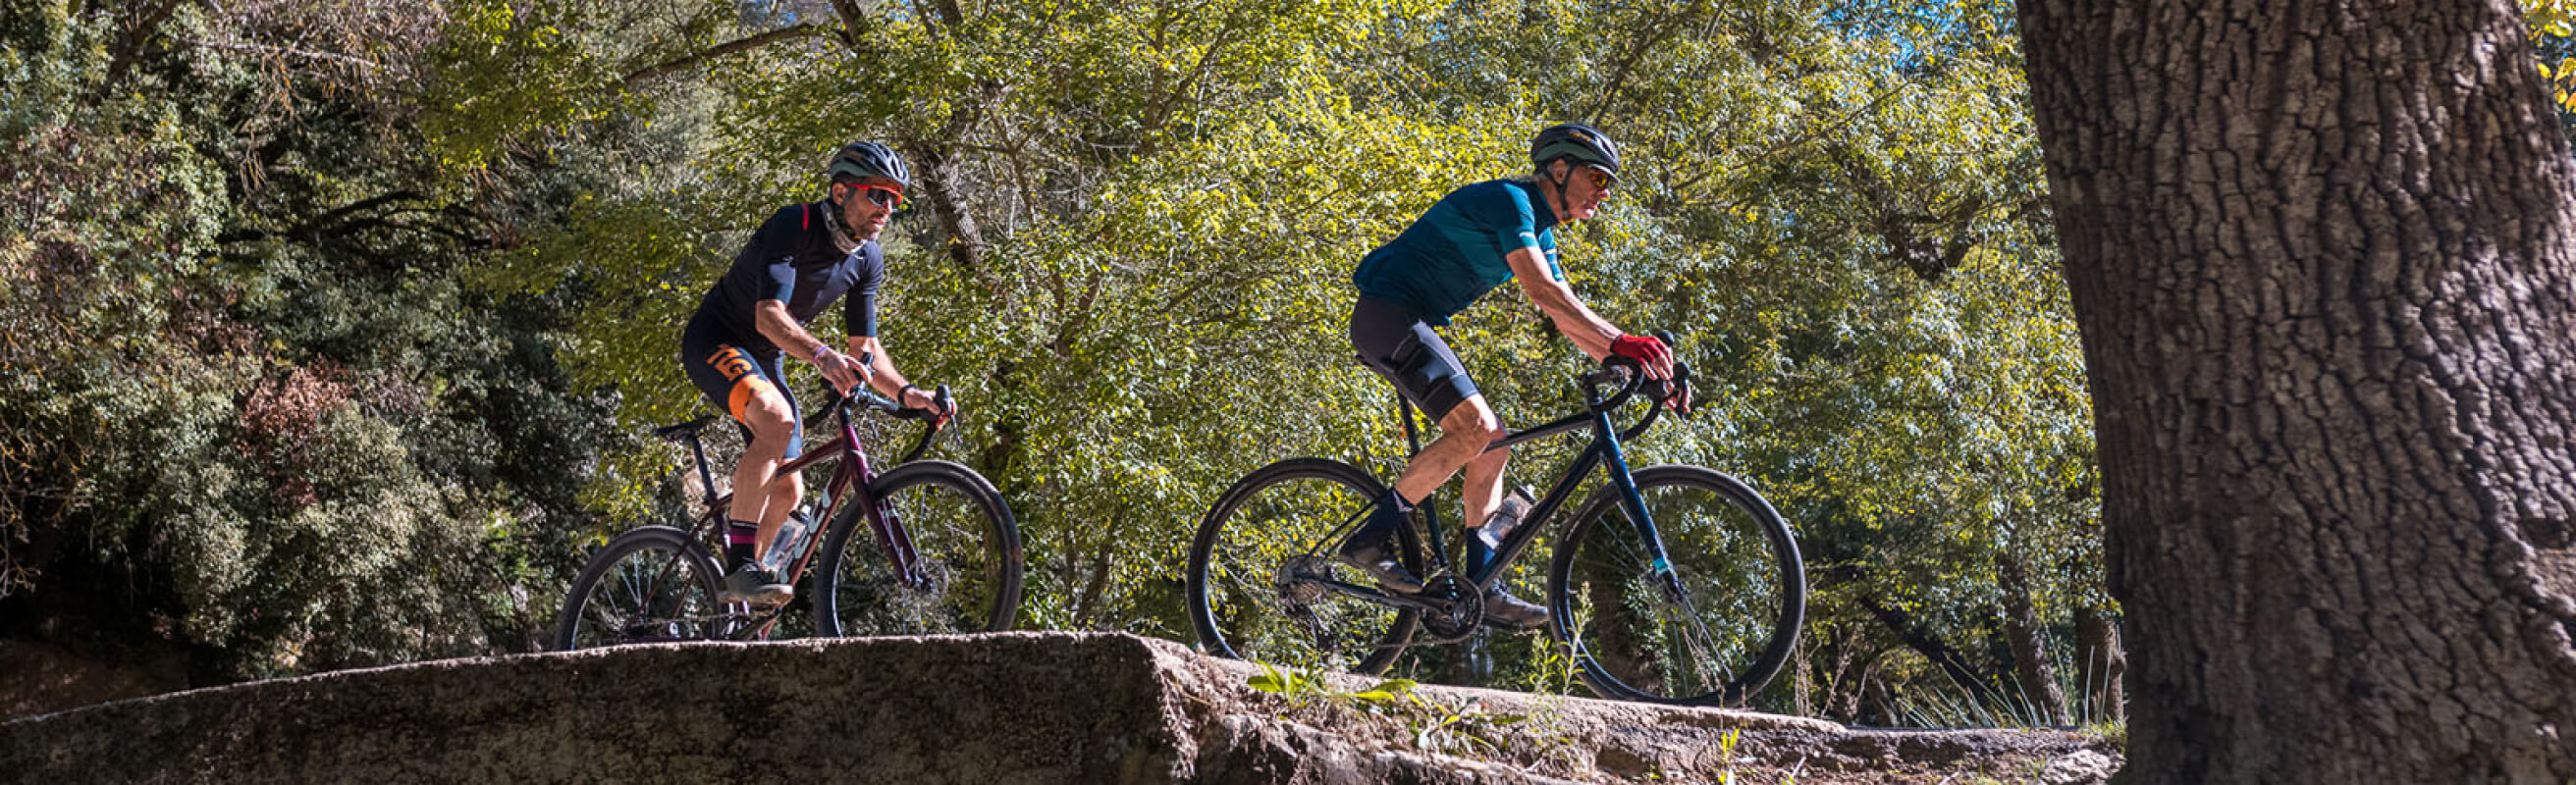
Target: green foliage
{"points": [[1455, 726], [505, 72], [406, 317], [251, 413], [2552, 30]]}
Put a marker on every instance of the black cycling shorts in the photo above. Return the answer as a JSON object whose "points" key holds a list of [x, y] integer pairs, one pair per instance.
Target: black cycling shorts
{"points": [[1394, 341], [729, 375]]}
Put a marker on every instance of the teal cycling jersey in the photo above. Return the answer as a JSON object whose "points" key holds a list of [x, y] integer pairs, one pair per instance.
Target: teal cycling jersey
{"points": [[1454, 253]]}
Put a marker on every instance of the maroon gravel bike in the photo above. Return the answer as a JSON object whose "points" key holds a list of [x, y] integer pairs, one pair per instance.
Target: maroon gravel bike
{"points": [[927, 547]]}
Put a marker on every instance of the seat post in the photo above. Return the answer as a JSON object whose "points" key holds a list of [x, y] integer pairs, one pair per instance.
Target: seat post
{"points": [[706, 479], [1412, 440], [1413, 447]]}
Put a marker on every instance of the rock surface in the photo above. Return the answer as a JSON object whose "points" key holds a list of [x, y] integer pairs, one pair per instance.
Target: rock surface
{"points": [[986, 710]]}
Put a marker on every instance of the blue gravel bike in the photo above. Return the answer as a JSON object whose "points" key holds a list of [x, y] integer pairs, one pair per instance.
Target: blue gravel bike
{"points": [[1670, 584]]}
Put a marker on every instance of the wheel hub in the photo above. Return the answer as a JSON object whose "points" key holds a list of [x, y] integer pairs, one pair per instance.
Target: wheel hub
{"points": [[1297, 579]]}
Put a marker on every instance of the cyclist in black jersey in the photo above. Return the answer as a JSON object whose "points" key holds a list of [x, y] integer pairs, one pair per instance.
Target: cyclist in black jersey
{"points": [[803, 258]]}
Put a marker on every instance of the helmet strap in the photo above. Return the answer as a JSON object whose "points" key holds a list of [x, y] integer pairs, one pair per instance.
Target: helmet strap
{"points": [[1557, 183]]}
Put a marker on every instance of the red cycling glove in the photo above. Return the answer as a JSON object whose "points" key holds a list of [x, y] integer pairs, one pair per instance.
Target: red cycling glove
{"points": [[1657, 358]]}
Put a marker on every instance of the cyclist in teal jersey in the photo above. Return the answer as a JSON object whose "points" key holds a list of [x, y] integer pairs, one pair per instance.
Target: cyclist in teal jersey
{"points": [[1473, 240]]}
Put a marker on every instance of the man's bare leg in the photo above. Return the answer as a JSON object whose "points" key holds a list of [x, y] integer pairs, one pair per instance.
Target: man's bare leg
{"points": [[1484, 488], [1464, 434], [760, 494]]}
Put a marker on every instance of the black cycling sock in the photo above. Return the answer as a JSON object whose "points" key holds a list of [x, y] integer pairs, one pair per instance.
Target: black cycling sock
{"points": [[739, 537], [1478, 553], [1391, 512], [1382, 521]]}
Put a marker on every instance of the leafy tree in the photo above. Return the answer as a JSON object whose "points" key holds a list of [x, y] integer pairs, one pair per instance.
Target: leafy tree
{"points": [[252, 411]]}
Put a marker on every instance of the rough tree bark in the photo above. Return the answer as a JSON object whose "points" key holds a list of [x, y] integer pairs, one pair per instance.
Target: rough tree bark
{"points": [[2099, 666], [2031, 668], [2321, 256]]}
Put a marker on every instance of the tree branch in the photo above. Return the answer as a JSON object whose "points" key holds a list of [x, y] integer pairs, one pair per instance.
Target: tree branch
{"points": [[1663, 27], [130, 47], [1930, 645], [854, 22], [317, 222], [691, 60]]}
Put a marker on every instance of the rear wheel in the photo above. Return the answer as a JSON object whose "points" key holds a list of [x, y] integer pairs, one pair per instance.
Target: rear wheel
{"points": [[1710, 631], [1256, 571], [966, 575], [651, 584]]}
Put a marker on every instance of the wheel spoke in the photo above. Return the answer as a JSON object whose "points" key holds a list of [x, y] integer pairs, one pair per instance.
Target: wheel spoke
{"points": [[645, 585], [964, 577], [1257, 567], [1716, 627]]}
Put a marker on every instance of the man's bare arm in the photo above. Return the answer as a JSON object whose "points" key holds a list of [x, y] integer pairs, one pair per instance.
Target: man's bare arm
{"points": [[770, 317], [1586, 329]]}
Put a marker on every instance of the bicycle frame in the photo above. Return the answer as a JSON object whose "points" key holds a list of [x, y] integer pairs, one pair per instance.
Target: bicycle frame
{"points": [[853, 476], [1605, 449]]}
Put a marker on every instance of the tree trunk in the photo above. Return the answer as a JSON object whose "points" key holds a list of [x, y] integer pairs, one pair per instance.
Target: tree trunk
{"points": [[2320, 254], [943, 188], [2099, 666], [2031, 667], [1934, 649]]}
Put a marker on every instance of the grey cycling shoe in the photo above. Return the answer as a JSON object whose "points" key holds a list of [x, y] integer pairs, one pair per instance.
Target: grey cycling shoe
{"points": [[1504, 610], [1376, 557], [1372, 549], [756, 586]]}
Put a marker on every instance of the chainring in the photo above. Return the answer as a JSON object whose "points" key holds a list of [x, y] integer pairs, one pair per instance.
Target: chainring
{"points": [[1465, 608]]}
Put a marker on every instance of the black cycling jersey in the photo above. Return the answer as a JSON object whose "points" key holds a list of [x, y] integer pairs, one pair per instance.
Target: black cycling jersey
{"points": [[795, 259]]}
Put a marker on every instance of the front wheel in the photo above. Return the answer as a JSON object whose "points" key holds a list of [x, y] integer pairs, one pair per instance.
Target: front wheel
{"points": [[1714, 627], [651, 584], [966, 567], [1263, 584]]}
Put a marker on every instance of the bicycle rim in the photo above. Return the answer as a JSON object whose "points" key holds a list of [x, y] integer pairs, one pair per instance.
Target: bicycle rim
{"points": [[966, 567], [1248, 592], [648, 585], [1742, 598]]}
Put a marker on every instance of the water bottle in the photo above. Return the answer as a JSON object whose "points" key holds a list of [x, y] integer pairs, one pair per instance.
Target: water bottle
{"points": [[788, 545], [1500, 524]]}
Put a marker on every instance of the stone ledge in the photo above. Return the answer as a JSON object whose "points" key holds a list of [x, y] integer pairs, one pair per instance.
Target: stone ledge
{"points": [[982, 710]]}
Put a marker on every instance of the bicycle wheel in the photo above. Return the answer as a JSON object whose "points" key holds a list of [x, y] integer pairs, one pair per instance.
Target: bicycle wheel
{"points": [[1716, 629], [648, 585], [1252, 591], [968, 559]]}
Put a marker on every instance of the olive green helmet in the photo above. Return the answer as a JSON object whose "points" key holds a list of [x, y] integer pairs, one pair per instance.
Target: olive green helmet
{"points": [[1585, 144]]}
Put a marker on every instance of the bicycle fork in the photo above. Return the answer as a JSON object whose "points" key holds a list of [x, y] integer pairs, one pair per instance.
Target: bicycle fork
{"points": [[891, 535], [1661, 564]]}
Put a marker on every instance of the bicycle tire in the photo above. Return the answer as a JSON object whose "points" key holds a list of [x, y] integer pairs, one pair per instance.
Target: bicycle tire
{"points": [[1247, 540], [1738, 561], [666, 595], [969, 548]]}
